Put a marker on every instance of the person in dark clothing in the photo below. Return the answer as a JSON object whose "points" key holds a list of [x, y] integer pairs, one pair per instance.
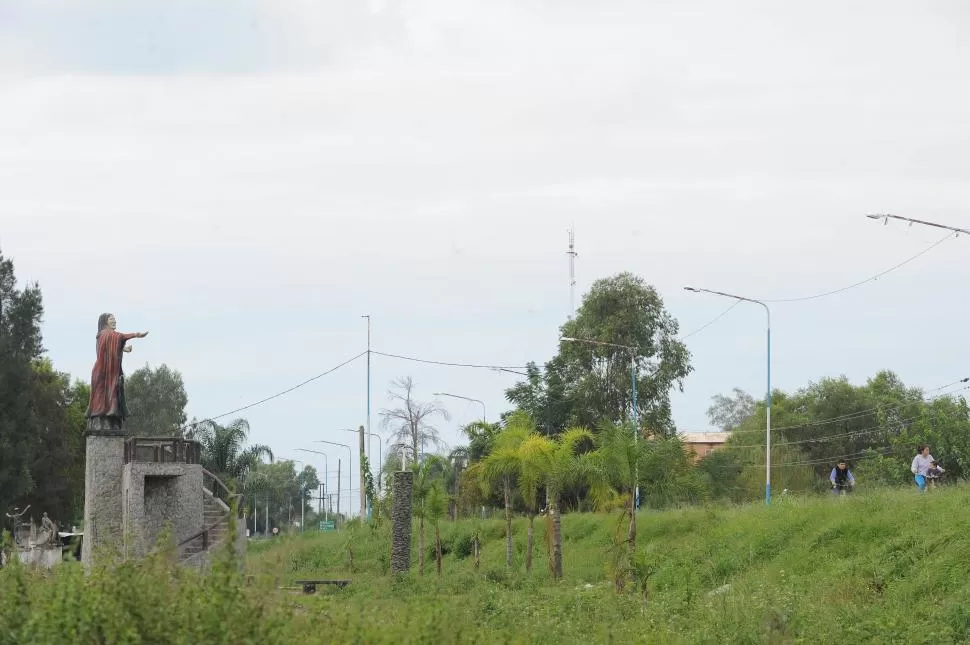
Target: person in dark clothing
{"points": [[841, 478], [933, 474]]}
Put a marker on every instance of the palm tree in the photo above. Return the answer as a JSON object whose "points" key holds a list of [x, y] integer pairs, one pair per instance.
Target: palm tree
{"points": [[503, 465], [619, 460], [427, 475], [533, 454], [436, 507], [458, 460], [224, 452], [564, 462]]}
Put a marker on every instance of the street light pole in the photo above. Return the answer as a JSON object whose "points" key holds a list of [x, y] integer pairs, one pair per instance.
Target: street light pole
{"points": [[768, 392], [367, 316], [885, 217], [458, 396], [350, 469], [326, 476], [636, 413]]}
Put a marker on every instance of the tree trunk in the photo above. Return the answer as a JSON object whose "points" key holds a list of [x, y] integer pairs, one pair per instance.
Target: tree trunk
{"points": [[507, 486], [528, 548], [632, 535], [401, 521], [437, 547], [477, 544], [421, 545], [552, 565], [556, 540], [414, 443], [457, 496]]}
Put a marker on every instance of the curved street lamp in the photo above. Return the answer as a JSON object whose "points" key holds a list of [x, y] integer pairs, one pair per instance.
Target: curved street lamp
{"points": [[459, 396], [768, 393]]}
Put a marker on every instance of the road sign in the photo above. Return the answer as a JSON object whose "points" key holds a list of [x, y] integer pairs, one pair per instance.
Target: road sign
{"points": [[328, 525]]}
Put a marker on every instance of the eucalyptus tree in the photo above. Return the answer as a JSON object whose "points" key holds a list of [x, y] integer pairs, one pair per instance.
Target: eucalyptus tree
{"points": [[585, 385]]}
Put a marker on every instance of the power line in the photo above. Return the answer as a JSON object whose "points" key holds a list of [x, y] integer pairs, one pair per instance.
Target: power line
{"points": [[824, 438], [870, 278], [712, 321], [448, 364], [278, 394], [882, 451], [833, 292]]}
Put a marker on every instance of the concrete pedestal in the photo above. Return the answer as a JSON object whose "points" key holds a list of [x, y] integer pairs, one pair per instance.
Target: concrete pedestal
{"points": [[103, 499], [401, 525]]}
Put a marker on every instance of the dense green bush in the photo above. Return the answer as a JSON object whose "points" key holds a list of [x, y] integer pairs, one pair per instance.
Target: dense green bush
{"points": [[148, 601]]}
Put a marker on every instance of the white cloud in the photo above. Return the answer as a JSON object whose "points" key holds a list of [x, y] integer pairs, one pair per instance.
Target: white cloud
{"points": [[294, 165]]}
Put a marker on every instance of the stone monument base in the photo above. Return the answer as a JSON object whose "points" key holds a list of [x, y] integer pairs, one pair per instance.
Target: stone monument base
{"points": [[103, 510]]}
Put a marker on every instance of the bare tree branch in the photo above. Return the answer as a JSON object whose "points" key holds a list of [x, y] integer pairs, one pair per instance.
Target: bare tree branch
{"points": [[410, 420]]}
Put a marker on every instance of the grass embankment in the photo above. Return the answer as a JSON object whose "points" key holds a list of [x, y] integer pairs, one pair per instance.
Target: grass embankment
{"points": [[890, 566], [883, 567]]}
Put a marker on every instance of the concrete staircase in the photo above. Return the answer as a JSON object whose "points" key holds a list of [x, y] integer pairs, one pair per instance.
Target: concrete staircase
{"points": [[216, 531]]}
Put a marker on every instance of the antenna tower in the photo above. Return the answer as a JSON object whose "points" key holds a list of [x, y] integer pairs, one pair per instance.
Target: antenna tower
{"points": [[572, 272]]}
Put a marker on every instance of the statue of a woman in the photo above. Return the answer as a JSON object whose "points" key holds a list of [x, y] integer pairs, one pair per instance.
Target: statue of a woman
{"points": [[107, 408]]}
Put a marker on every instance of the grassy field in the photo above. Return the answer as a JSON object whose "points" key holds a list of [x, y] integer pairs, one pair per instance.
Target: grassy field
{"points": [[883, 567]]}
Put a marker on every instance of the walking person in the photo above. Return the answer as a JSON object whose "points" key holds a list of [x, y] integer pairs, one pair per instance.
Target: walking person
{"points": [[922, 463]]}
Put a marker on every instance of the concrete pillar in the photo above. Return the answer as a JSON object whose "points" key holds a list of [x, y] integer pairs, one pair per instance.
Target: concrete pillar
{"points": [[103, 497], [401, 521]]}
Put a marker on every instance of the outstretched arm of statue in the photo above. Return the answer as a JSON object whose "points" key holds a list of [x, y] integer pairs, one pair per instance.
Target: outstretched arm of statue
{"points": [[137, 334]]}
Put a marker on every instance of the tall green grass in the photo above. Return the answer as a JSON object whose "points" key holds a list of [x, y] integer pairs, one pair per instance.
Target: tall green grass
{"points": [[884, 567]]}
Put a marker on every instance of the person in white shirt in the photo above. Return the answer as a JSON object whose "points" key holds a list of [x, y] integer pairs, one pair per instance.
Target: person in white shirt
{"points": [[922, 462]]}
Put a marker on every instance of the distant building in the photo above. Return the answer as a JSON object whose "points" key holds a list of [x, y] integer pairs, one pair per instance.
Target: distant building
{"points": [[704, 443]]}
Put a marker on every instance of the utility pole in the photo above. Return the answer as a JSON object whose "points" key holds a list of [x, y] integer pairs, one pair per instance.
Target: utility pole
{"points": [[363, 496], [338, 487], [885, 217], [571, 252], [367, 316]]}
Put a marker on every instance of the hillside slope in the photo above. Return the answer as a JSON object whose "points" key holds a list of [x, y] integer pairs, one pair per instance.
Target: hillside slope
{"points": [[884, 567]]}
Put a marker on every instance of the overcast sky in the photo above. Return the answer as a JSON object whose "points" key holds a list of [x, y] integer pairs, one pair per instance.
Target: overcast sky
{"points": [[244, 179]]}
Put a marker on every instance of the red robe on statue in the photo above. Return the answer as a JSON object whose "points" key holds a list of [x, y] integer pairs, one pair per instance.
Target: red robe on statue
{"points": [[107, 380]]}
